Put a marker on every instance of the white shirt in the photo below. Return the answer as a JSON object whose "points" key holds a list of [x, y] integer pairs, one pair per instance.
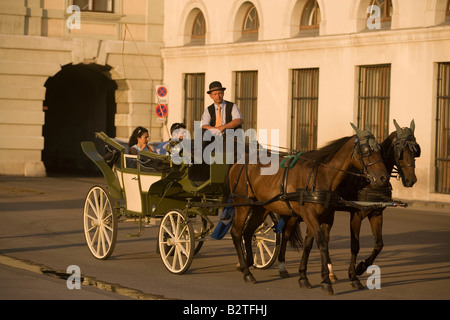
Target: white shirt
{"points": [[235, 114]]}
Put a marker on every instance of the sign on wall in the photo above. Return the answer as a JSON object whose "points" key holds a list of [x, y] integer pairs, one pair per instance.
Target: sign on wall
{"points": [[162, 94]]}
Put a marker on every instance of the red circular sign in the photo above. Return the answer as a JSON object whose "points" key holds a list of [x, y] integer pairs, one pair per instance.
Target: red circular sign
{"points": [[162, 92], [161, 110]]}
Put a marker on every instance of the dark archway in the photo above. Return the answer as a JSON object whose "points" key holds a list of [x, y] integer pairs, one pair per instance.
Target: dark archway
{"points": [[79, 101]]}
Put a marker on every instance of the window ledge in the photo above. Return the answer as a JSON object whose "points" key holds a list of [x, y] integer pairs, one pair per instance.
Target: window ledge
{"points": [[98, 16]]}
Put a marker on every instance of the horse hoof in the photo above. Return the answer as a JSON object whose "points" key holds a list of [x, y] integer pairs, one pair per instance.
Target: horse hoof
{"points": [[284, 274], [356, 284], [249, 279], [304, 283], [328, 288], [333, 278]]}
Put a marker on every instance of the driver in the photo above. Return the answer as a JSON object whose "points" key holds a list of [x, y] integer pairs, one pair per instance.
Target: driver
{"points": [[222, 114]]}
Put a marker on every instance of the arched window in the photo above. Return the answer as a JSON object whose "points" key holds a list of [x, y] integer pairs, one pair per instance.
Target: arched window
{"points": [[251, 23], [447, 11], [250, 26], [198, 29], [311, 16], [95, 5], [384, 13]]}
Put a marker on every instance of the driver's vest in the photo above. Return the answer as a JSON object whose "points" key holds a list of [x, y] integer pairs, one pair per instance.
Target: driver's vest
{"points": [[228, 116]]}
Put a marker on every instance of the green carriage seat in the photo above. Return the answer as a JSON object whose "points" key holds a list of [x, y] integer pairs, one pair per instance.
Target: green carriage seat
{"points": [[206, 178]]}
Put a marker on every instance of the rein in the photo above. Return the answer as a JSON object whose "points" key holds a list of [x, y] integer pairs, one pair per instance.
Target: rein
{"points": [[361, 157]]}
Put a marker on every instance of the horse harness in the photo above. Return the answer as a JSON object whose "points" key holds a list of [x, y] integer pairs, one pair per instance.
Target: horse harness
{"points": [[327, 198]]}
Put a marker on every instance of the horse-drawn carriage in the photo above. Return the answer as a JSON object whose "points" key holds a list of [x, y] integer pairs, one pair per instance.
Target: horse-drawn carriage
{"points": [[150, 186], [305, 188]]}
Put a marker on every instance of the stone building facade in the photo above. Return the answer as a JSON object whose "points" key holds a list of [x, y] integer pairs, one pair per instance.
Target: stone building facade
{"points": [[310, 67], [306, 68], [53, 58]]}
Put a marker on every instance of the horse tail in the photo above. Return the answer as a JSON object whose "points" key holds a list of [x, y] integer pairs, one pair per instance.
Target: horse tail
{"points": [[295, 238]]}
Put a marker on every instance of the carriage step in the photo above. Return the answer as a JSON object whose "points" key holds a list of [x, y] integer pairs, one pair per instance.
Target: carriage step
{"points": [[152, 222]]}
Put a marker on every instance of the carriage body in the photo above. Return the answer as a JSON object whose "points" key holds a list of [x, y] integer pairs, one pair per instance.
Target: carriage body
{"points": [[151, 186]]}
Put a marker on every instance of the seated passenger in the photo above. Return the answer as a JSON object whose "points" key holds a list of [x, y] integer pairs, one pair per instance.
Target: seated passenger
{"points": [[139, 141], [178, 133]]}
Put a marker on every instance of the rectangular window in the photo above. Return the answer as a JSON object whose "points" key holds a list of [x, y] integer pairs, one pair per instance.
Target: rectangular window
{"points": [[373, 99], [194, 99], [95, 5], [443, 129], [246, 92], [305, 102]]}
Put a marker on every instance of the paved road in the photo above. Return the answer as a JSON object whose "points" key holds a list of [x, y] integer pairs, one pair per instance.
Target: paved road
{"points": [[41, 229]]}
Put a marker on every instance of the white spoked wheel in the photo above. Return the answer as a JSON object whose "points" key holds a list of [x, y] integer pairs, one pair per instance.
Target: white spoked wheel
{"points": [[266, 243], [100, 223], [176, 241]]}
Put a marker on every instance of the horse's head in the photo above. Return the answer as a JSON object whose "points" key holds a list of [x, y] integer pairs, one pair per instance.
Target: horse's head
{"points": [[406, 149], [366, 157]]}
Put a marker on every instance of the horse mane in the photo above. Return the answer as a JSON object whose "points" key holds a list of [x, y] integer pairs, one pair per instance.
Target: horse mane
{"points": [[314, 158], [387, 143]]}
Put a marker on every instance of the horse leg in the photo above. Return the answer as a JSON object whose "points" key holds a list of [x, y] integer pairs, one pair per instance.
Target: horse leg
{"points": [[256, 218], [307, 246], [376, 223], [309, 240], [236, 234], [355, 227], [326, 229], [312, 223], [287, 230]]}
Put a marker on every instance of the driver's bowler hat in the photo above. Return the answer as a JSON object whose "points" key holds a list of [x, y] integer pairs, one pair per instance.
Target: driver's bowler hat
{"points": [[214, 86]]}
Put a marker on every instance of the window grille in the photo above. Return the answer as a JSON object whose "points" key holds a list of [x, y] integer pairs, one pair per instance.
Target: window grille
{"points": [[374, 98], [305, 95], [443, 129], [194, 88], [246, 92]]}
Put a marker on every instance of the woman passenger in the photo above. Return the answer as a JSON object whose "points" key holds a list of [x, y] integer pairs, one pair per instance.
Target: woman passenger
{"points": [[139, 141]]}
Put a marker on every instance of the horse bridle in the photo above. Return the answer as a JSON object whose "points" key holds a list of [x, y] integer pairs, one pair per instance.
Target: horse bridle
{"points": [[398, 145], [365, 150]]}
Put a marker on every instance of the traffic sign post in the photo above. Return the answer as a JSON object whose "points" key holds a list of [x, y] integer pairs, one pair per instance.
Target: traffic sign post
{"points": [[162, 109]]}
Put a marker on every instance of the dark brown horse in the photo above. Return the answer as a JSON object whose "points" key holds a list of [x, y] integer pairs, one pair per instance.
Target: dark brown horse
{"points": [[317, 174], [399, 150]]}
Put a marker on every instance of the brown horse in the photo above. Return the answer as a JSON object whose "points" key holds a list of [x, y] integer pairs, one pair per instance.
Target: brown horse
{"points": [[399, 150], [316, 174]]}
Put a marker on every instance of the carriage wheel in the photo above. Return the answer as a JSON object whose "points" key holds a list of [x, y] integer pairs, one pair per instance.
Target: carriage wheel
{"points": [[266, 243], [100, 223], [176, 241]]}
